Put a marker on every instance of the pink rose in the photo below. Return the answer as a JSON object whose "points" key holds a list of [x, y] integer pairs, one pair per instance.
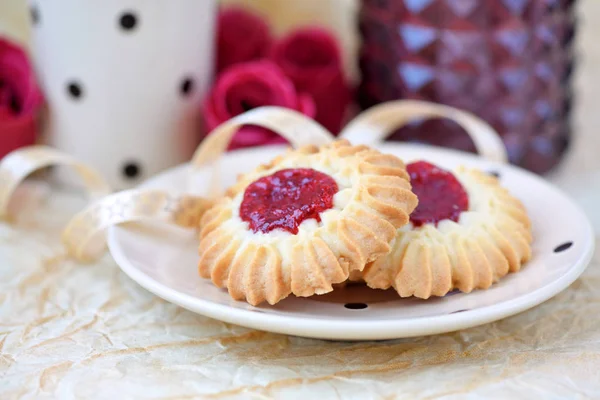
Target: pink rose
{"points": [[243, 87], [311, 58], [242, 36], [20, 99]]}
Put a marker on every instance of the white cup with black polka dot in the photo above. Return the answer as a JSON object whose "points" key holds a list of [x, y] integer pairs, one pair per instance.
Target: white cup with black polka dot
{"points": [[124, 80]]}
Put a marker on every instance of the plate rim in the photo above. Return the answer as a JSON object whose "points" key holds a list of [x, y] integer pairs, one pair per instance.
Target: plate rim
{"points": [[360, 330]]}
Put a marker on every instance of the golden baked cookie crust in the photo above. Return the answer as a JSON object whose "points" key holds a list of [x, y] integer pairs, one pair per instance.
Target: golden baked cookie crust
{"points": [[490, 239], [374, 199]]}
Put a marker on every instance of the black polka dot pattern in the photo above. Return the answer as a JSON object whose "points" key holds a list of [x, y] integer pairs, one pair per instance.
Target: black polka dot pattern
{"points": [[34, 14], [563, 247], [75, 90], [355, 306], [131, 170], [128, 21], [187, 86]]}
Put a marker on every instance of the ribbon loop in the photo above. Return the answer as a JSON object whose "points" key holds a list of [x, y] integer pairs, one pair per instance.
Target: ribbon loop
{"points": [[377, 123], [21, 163]]}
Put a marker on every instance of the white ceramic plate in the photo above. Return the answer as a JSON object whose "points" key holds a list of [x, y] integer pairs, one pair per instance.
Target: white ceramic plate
{"points": [[163, 260]]}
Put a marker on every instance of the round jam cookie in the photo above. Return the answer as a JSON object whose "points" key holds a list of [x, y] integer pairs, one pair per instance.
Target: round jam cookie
{"points": [[302, 222], [467, 236]]}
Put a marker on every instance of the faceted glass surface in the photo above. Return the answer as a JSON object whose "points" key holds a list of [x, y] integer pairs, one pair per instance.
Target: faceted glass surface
{"points": [[508, 61]]}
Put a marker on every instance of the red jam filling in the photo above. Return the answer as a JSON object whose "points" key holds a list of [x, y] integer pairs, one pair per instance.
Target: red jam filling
{"points": [[440, 194], [286, 198]]}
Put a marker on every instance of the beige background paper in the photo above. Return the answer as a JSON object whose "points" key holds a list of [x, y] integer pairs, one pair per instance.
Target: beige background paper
{"points": [[77, 332]]}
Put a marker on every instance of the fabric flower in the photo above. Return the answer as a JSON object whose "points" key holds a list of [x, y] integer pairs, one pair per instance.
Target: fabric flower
{"points": [[20, 99], [242, 36], [245, 86], [311, 58]]}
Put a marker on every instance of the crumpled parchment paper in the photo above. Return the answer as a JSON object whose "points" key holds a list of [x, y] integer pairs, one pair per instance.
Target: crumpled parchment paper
{"points": [[87, 331], [75, 331]]}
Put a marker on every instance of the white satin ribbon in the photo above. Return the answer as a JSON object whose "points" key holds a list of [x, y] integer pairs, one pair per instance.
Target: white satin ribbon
{"points": [[83, 236]]}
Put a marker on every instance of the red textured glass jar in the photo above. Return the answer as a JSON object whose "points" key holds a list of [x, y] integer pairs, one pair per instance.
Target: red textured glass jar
{"points": [[508, 61]]}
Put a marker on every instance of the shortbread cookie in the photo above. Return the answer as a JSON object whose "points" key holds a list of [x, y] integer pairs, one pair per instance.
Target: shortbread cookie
{"points": [[466, 233], [302, 222]]}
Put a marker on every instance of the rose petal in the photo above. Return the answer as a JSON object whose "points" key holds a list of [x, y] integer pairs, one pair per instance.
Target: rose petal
{"points": [[211, 118], [256, 83], [311, 58], [262, 81], [250, 135], [306, 105], [306, 52], [6, 113], [241, 37], [17, 74], [250, 85], [20, 98], [6, 100]]}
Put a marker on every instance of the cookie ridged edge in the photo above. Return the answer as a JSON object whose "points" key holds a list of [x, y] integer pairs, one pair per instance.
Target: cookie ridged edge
{"points": [[470, 255], [381, 202]]}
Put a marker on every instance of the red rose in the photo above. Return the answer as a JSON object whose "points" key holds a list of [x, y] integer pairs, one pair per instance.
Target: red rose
{"points": [[20, 99], [241, 37], [311, 58], [249, 85]]}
